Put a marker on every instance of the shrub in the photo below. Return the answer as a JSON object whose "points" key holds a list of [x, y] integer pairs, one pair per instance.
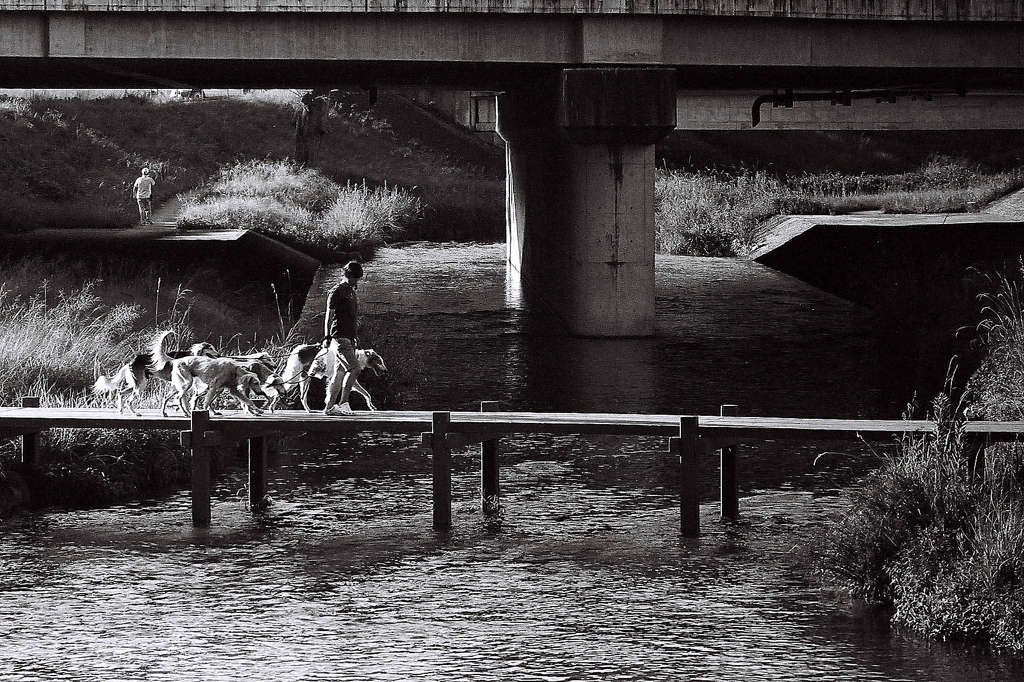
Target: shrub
{"points": [[940, 542], [303, 208], [287, 183], [238, 212], [703, 215], [364, 214]]}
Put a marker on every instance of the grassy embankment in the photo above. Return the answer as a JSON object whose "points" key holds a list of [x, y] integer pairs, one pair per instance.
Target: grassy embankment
{"points": [[931, 535], [713, 213], [71, 162]]}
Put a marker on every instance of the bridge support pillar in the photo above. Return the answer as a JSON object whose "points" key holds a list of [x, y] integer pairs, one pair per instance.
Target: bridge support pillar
{"points": [[580, 193]]}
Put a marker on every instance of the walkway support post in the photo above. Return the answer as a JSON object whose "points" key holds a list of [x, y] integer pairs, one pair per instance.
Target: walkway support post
{"points": [[29, 441], [579, 216], [489, 486], [686, 446], [257, 471], [975, 447], [442, 469], [730, 495], [200, 438]]}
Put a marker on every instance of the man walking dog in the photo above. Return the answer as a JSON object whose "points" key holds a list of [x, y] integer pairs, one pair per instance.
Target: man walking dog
{"points": [[340, 336], [142, 190]]}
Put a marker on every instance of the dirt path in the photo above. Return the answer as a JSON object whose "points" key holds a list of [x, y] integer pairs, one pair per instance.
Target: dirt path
{"points": [[165, 215]]}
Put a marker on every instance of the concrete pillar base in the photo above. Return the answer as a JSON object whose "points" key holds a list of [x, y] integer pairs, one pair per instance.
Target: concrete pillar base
{"points": [[580, 193]]}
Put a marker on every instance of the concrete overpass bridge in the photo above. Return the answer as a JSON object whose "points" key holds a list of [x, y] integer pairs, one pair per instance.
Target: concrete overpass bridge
{"points": [[588, 87]]}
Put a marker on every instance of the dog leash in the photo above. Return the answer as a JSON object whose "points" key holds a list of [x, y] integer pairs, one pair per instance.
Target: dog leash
{"points": [[302, 371]]}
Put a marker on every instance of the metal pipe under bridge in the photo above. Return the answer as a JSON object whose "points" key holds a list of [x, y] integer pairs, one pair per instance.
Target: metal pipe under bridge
{"points": [[441, 433]]}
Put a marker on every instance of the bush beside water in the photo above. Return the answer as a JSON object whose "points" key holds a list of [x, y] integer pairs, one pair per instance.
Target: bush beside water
{"points": [[929, 534]]}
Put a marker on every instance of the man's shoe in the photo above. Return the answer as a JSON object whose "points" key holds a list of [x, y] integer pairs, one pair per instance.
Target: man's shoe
{"points": [[344, 408]]}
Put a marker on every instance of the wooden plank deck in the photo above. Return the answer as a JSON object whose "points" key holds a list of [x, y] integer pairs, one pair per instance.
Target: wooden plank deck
{"points": [[496, 423], [15, 420], [507, 422]]}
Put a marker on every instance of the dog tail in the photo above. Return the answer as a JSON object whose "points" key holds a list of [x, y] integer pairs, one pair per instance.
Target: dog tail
{"points": [[158, 356], [109, 385]]}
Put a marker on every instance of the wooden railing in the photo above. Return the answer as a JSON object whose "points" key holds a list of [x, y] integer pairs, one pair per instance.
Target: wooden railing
{"points": [[442, 432]]}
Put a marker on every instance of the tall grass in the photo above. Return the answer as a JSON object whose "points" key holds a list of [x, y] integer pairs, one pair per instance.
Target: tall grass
{"points": [[52, 342], [713, 214], [997, 388], [302, 207], [66, 321], [935, 535]]}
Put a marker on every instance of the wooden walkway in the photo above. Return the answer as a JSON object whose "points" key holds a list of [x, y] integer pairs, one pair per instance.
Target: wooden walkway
{"points": [[442, 432]]}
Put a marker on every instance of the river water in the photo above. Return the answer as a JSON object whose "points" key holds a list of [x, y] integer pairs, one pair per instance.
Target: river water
{"points": [[581, 576]]}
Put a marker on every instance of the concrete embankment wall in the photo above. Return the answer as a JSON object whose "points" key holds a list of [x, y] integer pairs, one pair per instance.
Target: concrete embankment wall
{"points": [[867, 258], [259, 258]]}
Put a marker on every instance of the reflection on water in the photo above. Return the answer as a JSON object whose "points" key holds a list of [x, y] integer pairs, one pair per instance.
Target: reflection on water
{"points": [[582, 576], [728, 331]]}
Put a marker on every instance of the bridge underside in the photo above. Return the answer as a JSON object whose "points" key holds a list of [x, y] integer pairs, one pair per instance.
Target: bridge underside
{"points": [[91, 72]]}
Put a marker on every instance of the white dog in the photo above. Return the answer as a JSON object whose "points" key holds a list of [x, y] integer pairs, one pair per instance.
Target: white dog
{"points": [[307, 360], [217, 374]]}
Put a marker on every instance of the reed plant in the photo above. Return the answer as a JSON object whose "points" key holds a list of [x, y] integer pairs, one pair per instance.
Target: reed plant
{"points": [[52, 343], [997, 387]]}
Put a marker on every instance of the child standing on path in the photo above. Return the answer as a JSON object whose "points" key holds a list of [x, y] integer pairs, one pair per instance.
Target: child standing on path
{"points": [[142, 190]]}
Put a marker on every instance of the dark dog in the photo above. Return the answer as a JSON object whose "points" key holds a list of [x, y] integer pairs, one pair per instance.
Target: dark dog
{"points": [[271, 385]]}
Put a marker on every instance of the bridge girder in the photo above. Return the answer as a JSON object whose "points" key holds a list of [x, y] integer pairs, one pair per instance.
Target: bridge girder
{"points": [[496, 51]]}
